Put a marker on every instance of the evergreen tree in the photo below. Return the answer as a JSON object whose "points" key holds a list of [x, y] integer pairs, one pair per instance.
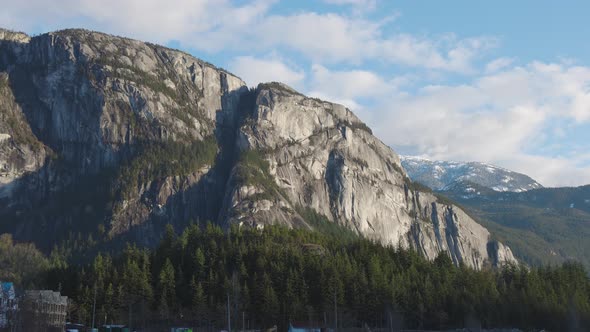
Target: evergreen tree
{"points": [[167, 289]]}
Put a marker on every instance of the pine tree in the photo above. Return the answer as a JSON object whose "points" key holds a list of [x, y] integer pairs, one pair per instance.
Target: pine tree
{"points": [[167, 289], [199, 301]]}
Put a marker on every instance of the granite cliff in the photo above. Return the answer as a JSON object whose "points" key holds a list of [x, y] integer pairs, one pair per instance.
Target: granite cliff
{"points": [[102, 136]]}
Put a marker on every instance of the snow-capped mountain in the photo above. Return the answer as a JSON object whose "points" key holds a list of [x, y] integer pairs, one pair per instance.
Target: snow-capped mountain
{"points": [[441, 175]]}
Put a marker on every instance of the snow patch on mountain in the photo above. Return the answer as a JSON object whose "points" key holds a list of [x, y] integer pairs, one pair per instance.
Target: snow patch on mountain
{"points": [[441, 175]]}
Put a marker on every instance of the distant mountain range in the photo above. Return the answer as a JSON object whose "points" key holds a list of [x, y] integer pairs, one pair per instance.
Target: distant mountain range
{"points": [[441, 175], [541, 225]]}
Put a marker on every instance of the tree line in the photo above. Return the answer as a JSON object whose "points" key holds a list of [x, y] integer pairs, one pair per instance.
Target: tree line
{"points": [[277, 275]]}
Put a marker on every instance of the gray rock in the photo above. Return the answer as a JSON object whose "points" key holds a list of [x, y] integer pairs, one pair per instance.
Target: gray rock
{"points": [[321, 156], [93, 100]]}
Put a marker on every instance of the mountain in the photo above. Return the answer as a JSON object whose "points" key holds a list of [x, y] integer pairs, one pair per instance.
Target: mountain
{"points": [[542, 226], [440, 175], [107, 139]]}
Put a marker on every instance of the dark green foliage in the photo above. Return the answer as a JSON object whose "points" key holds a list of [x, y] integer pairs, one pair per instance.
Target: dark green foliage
{"points": [[131, 73], [442, 199], [159, 160], [359, 125], [278, 87], [321, 224], [253, 170], [21, 263], [279, 275], [395, 166], [155, 82], [417, 186]]}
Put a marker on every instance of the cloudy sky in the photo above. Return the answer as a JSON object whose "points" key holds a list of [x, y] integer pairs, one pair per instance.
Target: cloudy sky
{"points": [[503, 82]]}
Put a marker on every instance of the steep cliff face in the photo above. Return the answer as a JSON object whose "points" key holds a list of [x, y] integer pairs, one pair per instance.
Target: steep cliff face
{"points": [[20, 151], [304, 153], [101, 104], [114, 137]]}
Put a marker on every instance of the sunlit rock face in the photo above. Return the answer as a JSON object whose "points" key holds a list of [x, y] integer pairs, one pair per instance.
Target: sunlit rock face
{"points": [[321, 156]]}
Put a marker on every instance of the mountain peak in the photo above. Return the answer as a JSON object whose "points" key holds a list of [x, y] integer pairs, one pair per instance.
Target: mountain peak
{"points": [[441, 175]]}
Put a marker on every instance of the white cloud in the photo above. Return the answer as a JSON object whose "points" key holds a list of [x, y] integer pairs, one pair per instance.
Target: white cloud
{"points": [[365, 5], [498, 118], [353, 88], [498, 64], [505, 117], [332, 38], [348, 84], [221, 25], [550, 171], [368, 3], [153, 20], [254, 71]]}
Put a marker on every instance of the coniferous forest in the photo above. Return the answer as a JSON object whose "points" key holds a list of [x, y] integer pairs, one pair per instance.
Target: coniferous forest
{"points": [[277, 275]]}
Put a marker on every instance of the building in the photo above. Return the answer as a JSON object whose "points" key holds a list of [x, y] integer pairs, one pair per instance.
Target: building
{"points": [[43, 310], [8, 304]]}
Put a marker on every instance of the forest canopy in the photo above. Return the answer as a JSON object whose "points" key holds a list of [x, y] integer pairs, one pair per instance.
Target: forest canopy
{"points": [[278, 275]]}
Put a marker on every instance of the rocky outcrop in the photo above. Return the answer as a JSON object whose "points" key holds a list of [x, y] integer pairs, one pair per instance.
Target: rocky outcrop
{"points": [[109, 137], [441, 226], [304, 153]]}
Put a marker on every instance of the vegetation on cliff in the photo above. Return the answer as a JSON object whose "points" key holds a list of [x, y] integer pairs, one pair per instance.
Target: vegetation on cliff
{"points": [[157, 160]]}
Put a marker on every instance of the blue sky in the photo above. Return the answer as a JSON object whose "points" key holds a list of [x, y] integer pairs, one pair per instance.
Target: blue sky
{"points": [[503, 82]]}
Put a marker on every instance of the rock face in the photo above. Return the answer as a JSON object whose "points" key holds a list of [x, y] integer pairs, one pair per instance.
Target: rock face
{"points": [[97, 102], [104, 137], [442, 175], [20, 151], [310, 154]]}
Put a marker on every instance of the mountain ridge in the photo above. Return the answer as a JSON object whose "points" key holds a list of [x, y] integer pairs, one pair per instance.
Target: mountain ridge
{"points": [[126, 136], [440, 175]]}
